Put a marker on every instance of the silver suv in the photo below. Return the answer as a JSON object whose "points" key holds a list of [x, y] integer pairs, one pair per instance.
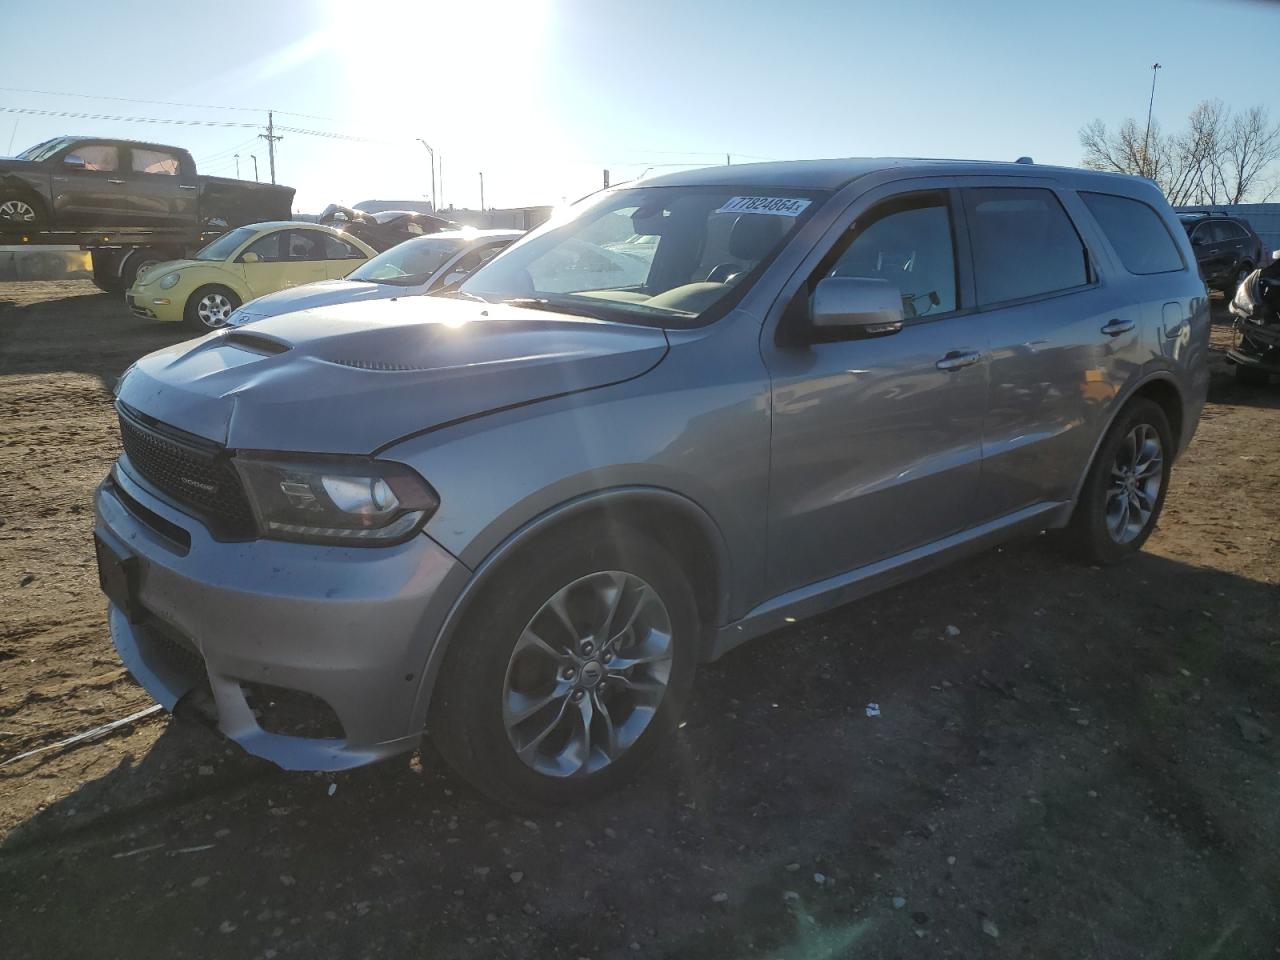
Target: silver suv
{"points": [[685, 414]]}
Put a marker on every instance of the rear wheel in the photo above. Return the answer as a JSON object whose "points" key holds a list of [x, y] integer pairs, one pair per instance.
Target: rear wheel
{"points": [[574, 668], [209, 308], [1124, 492]]}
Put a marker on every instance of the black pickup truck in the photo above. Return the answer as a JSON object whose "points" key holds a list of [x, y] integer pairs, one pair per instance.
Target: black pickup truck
{"points": [[130, 203]]}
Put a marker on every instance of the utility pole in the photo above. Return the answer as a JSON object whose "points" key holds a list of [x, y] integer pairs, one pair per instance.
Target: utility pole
{"points": [[237, 166], [442, 179], [728, 160], [606, 179], [255, 166], [434, 205], [271, 138], [1146, 139], [482, 191]]}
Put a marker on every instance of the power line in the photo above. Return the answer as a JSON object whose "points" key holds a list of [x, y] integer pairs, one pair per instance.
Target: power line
{"points": [[72, 114], [166, 103]]}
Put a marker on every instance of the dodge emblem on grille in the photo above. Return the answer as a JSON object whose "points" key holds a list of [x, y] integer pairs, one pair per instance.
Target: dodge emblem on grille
{"points": [[209, 488]]}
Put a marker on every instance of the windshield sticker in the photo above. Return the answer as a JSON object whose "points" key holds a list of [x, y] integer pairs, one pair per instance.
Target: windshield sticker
{"points": [[777, 206]]}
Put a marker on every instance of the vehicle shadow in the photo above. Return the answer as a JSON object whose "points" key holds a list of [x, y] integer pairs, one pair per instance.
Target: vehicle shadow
{"points": [[72, 327], [1054, 743]]}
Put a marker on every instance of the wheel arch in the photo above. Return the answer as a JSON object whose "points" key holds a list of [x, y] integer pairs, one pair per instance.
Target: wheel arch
{"points": [[673, 520], [1160, 387]]}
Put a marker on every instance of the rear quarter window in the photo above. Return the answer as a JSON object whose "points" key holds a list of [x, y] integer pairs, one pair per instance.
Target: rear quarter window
{"points": [[1137, 233]]}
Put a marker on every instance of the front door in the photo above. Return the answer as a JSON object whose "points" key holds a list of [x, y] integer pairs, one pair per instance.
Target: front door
{"points": [[89, 187], [308, 257], [265, 263], [876, 445]]}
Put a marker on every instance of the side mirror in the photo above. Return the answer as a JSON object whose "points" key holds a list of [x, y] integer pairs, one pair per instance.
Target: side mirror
{"points": [[73, 161], [249, 257], [860, 305]]}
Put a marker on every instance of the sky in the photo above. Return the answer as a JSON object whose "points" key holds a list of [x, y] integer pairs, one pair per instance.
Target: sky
{"points": [[541, 96]]}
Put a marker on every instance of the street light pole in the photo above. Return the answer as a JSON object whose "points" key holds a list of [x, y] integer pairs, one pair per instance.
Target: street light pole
{"points": [[1146, 139], [254, 157], [434, 205]]}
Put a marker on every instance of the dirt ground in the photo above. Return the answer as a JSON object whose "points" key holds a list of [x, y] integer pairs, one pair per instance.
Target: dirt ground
{"points": [[1089, 768]]}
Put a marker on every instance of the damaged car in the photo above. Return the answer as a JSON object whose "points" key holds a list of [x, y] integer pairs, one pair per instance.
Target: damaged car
{"points": [[1255, 348]]}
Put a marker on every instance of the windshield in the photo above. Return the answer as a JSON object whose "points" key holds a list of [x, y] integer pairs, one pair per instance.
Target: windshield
{"points": [[672, 256], [410, 263], [43, 150], [226, 244]]}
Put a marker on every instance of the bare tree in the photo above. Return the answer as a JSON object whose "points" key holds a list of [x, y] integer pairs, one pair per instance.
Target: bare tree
{"points": [[1220, 157]]}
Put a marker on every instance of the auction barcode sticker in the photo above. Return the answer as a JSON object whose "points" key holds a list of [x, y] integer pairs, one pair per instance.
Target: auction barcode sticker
{"points": [[778, 206]]}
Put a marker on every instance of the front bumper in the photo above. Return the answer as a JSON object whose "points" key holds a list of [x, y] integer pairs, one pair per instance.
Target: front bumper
{"points": [[350, 626], [1256, 345], [154, 304]]}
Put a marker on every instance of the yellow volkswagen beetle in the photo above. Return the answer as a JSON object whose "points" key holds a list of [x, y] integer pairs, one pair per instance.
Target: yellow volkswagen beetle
{"points": [[243, 264]]}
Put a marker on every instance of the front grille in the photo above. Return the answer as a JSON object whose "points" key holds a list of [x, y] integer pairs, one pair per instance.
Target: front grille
{"points": [[194, 472]]}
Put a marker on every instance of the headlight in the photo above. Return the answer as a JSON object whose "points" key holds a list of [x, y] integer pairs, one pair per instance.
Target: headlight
{"points": [[169, 281], [349, 500]]}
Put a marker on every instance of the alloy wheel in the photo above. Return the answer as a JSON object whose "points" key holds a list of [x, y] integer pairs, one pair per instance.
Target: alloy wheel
{"points": [[17, 211], [213, 310], [587, 674], [1136, 476]]}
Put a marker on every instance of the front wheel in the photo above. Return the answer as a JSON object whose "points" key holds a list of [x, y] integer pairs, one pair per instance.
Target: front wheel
{"points": [[573, 670], [1124, 492], [209, 308]]}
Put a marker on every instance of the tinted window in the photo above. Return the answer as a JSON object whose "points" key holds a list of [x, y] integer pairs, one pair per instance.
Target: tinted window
{"points": [[1136, 231], [307, 245], [908, 244], [269, 248], [97, 156], [1023, 244], [1232, 231], [335, 249], [154, 161]]}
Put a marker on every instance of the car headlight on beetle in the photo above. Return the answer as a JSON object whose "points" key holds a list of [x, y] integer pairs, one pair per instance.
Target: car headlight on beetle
{"points": [[333, 499], [169, 281]]}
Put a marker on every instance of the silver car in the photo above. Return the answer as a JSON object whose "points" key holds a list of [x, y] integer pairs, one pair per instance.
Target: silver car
{"points": [[518, 518], [430, 264]]}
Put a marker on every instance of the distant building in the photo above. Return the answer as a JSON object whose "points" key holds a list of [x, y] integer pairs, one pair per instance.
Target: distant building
{"points": [[513, 218]]}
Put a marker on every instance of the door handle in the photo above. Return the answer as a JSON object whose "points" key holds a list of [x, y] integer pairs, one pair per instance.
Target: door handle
{"points": [[186, 186], [1117, 327], [109, 180], [956, 360]]}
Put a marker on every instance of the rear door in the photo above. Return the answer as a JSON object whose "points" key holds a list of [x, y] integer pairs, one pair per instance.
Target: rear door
{"points": [[876, 444], [1063, 338], [88, 186], [160, 191], [1213, 250]]}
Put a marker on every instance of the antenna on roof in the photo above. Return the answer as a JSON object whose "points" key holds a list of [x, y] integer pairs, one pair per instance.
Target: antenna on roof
{"points": [[1024, 160]]}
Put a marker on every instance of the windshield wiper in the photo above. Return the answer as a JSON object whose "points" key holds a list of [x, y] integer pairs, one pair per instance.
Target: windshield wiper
{"points": [[460, 295], [539, 303]]}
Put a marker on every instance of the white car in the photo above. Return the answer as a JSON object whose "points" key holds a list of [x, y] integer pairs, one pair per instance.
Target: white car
{"points": [[429, 264]]}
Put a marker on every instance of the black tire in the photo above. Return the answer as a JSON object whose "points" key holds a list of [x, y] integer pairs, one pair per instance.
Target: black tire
{"points": [[466, 721], [20, 212], [1088, 535], [1251, 376], [191, 313], [1241, 273], [140, 260], [106, 271]]}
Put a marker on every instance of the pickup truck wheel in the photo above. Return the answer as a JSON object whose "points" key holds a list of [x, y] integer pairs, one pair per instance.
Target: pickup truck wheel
{"points": [[573, 669], [138, 262], [19, 213], [209, 308], [1124, 492]]}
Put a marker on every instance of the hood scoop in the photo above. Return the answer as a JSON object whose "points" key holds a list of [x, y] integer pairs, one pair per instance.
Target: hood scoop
{"points": [[256, 343]]}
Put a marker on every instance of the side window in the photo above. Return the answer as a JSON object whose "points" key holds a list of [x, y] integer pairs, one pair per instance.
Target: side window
{"points": [[1232, 230], [1205, 233], [908, 243], [1024, 244], [104, 157], [269, 248], [306, 244], [155, 161], [335, 249], [468, 265], [1139, 236]]}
